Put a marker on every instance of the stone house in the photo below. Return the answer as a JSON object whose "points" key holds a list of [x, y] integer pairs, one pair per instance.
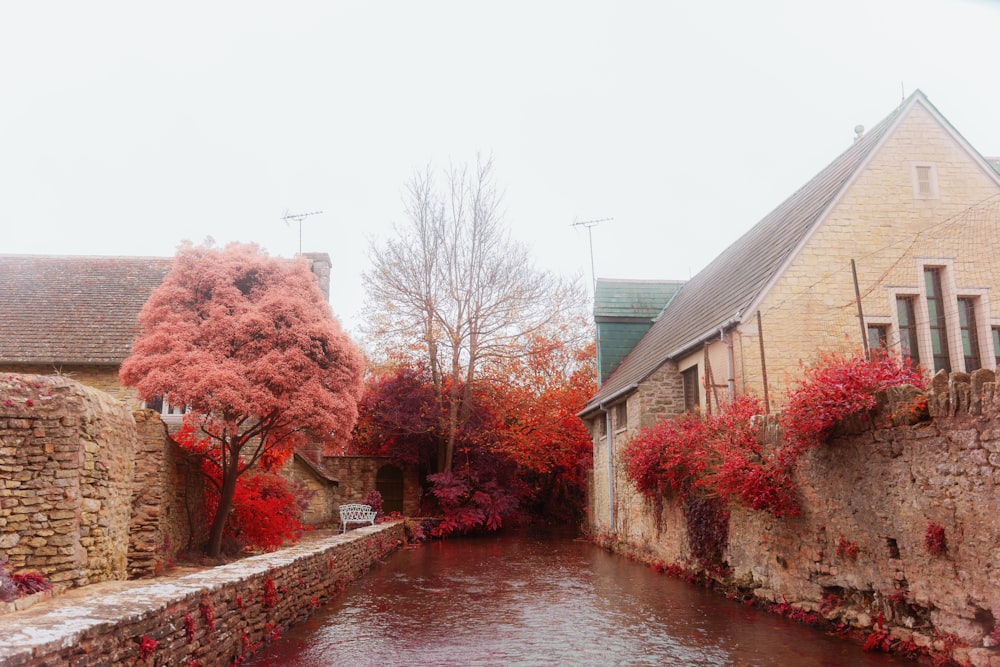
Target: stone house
{"points": [[76, 316], [892, 245]]}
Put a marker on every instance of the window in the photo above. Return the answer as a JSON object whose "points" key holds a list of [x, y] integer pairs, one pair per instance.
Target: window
{"points": [[925, 182], [936, 320], [620, 415], [692, 399], [878, 335], [970, 338], [996, 346], [907, 329]]}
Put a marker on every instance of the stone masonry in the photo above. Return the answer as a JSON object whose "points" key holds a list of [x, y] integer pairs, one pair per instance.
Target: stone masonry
{"points": [[66, 462], [858, 549], [216, 616]]}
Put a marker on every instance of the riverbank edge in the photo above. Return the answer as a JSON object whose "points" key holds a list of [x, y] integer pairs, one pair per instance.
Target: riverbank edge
{"points": [[216, 616], [937, 652]]}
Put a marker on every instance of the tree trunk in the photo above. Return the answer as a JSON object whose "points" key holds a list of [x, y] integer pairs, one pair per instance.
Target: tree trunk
{"points": [[229, 474]]}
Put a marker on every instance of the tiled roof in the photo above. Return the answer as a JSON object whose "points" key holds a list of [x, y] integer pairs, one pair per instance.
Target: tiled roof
{"points": [[642, 299], [73, 310], [719, 294]]}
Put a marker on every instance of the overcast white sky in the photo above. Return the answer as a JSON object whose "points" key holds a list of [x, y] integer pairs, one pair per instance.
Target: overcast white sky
{"points": [[127, 127]]}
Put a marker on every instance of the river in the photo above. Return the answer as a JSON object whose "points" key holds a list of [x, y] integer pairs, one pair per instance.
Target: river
{"points": [[518, 599]]}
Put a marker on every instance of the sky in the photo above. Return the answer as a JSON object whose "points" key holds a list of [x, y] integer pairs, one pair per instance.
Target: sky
{"points": [[127, 128]]}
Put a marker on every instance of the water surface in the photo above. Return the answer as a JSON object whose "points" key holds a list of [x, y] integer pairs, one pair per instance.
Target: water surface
{"points": [[525, 600]]}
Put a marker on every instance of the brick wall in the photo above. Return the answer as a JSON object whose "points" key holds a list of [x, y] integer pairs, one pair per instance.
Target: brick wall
{"points": [[877, 489], [66, 459], [249, 602]]}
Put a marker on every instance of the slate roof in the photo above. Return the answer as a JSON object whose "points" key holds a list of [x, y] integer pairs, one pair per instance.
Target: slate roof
{"points": [[632, 299], [73, 310], [718, 296]]}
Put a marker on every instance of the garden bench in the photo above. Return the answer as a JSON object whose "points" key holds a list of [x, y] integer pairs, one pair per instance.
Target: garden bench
{"points": [[355, 513]]}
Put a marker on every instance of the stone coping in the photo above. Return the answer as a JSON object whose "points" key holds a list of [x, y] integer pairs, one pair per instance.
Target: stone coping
{"points": [[60, 622]]}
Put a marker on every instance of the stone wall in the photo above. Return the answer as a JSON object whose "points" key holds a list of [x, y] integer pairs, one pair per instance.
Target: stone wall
{"points": [[357, 480], [218, 616], [857, 552], [167, 492], [66, 463]]}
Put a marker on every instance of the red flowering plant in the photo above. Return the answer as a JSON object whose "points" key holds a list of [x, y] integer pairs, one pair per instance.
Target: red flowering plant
{"points": [[714, 456], [838, 387]]}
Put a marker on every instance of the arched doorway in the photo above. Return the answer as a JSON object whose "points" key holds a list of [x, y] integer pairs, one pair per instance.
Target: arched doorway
{"points": [[389, 482]]}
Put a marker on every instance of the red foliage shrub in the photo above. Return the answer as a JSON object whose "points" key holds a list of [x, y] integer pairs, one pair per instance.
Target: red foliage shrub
{"points": [[374, 499], [29, 583], [667, 457], [189, 627], [934, 539], [265, 513], [846, 548], [837, 387], [715, 455], [469, 505], [270, 594], [146, 647]]}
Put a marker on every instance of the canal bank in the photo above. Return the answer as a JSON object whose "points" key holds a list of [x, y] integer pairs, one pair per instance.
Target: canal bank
{"points": [[215, 616], [528, 597]]}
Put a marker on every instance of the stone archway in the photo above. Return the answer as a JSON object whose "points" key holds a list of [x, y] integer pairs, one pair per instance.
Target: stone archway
{"points": [[389, 483]]}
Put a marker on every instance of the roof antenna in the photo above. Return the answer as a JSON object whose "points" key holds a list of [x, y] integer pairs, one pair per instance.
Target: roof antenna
{"points": [[289, 218], [589, 224], [902, 93]]}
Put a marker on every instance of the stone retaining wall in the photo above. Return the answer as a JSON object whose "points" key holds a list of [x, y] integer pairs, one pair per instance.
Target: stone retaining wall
{"points": [[213, 617], [857, 554]]}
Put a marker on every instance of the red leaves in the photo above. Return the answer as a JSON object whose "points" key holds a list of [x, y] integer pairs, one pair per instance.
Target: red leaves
{"points": [[715, 455], [249, 344], [934, 539], [839, 386]]}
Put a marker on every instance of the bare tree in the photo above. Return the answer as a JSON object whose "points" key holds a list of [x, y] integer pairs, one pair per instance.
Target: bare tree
{"points": [[455, 291]]}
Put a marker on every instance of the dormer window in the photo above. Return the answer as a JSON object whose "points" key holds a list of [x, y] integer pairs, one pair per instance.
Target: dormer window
{"points": [[925, 181]]}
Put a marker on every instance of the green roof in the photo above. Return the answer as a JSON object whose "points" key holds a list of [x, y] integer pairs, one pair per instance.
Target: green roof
{"points": [[633, 299]]}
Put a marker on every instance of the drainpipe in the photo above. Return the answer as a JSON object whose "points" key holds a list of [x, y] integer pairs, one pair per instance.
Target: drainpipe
{"points": [[609, 436], [730, 363], [603, 407]]}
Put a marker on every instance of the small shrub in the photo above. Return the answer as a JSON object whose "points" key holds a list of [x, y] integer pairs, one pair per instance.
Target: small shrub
{"points": [[146, 647], [934, 539], [846, 548], [374, 498], [838, 387]]}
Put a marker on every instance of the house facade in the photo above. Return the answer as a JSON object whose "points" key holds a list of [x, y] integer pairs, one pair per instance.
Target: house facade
{"points": [[76, 316], [893, 245]]}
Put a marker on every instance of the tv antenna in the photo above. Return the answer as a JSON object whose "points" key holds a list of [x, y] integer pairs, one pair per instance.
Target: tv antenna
{"points": [[590, 224], [289, 218]]}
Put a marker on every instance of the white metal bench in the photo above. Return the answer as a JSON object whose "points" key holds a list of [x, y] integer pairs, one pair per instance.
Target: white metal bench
{"points": [[355, 513]]}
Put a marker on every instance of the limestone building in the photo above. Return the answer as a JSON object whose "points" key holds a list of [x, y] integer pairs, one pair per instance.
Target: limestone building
{"points": [[910, 208]]}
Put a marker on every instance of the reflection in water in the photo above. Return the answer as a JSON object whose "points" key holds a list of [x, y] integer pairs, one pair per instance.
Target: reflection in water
{"points": [[521, 600]]}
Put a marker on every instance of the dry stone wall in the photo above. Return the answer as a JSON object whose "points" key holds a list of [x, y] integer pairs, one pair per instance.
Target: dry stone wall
{"points": [[858, 551], [66, 462], [218, 616], [167, 491]]}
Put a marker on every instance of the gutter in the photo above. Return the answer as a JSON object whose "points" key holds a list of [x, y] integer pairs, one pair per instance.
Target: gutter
{"points": [[610, 399]]}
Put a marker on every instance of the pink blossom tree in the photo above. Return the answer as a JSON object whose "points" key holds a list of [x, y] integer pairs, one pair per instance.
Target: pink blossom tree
{"points": [[248, 343]]}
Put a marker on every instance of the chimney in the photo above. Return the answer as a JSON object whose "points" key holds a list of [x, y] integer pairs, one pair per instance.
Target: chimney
{"points": [[319, 264]]}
